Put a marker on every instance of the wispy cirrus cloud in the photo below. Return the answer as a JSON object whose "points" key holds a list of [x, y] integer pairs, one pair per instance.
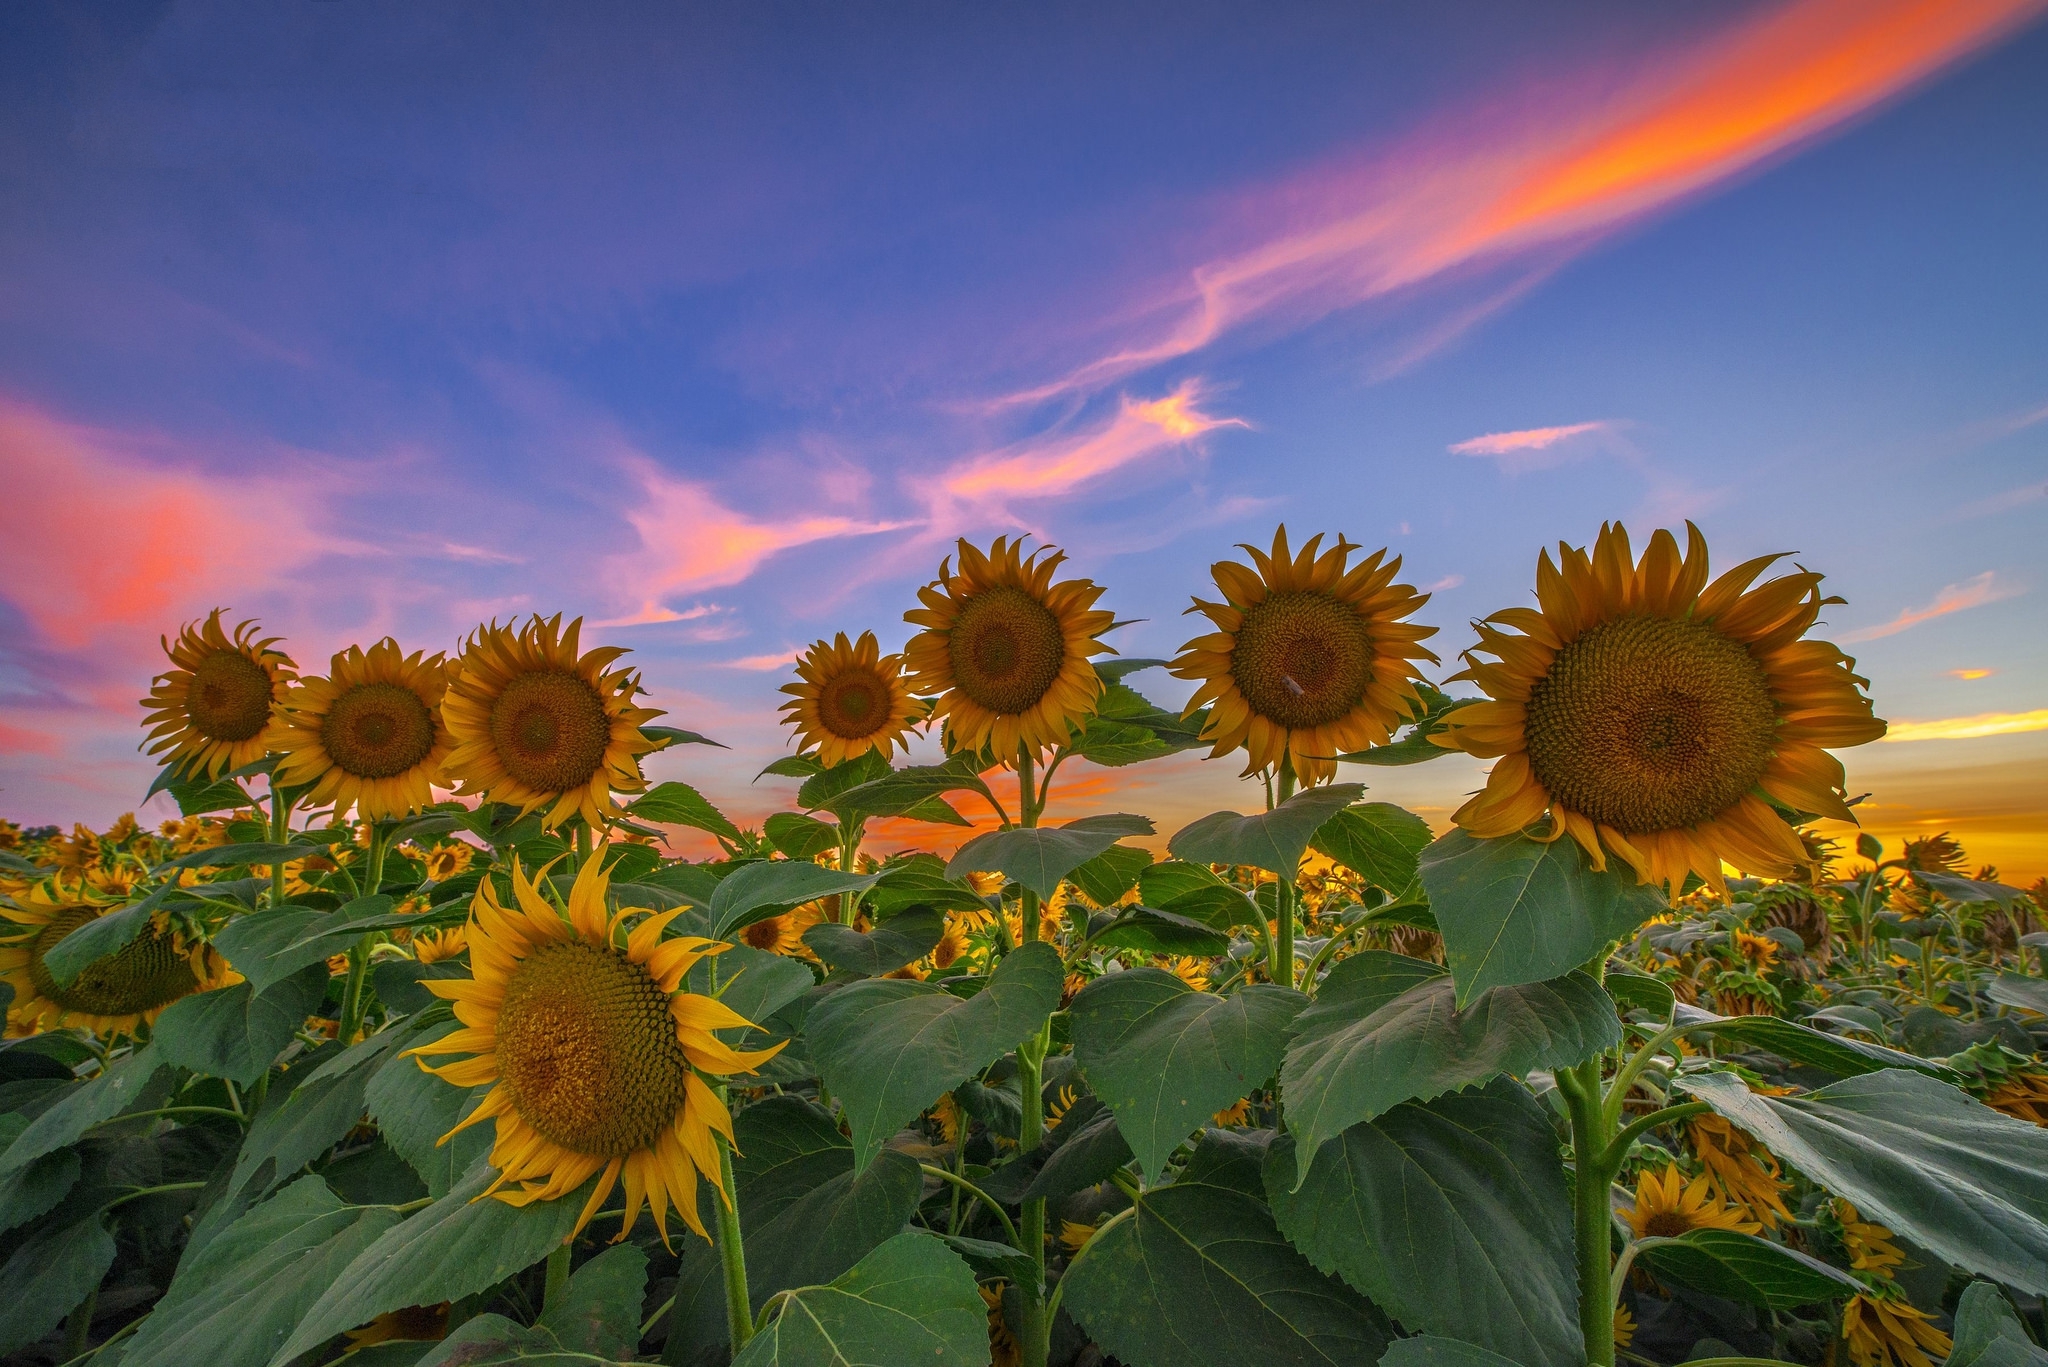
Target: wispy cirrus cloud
{"points": [[771, 660], [1511, 446], [1970, 728], [1552, 180], [1971, 593]]}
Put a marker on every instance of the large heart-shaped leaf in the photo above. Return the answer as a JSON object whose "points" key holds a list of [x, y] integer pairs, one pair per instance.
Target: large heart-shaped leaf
{"points": [[758, 891], [678, 804], [599, 1312], [1742, 1267], [801, 837], [2011, 989], [911, 1300], [235, 1032], [317, 1113], [1376, 840], [895, 942], [413, 1108], [1164, 1057], [235, 1304], [919, 880], [1199, 1273], [1384, 1029], [916, 791], [1040, 857], [1156, 932], [1428, 1350], [751, 981], [454, 1247], [1453, 1215], [267, 947], [46, 1275], [1517, 910], [1084, 1148], [888, 1048], [1989, 1334], [1273, 840], [1961, 1180], [81, 1106], [1111, 874], [1192, 891], [1127, 729]]}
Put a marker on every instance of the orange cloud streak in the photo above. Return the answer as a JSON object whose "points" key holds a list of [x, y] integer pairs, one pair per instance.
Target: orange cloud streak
{"points": [[1529, 439], [1973, 593]]}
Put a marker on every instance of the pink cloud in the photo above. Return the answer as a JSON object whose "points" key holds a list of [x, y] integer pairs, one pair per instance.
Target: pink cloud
{"points": [[1528, 439], [762, 662], [19, 740], [1972, 593]]}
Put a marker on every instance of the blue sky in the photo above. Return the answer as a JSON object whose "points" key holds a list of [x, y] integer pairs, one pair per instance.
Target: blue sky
{"points": [[718, 326]]}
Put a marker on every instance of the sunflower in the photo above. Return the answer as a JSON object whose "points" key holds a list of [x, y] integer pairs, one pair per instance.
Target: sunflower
{"points": [[1310, 657], [849, 699], [1656, 716], [369, 736], [1740, 1171], [1192, 971], [1056, 1110], [1760, 952], [594, 1049], [444, 862], [1885, 1331], [432, 946], [2022, 1094], [537, 725], [951, 946], [1667, 1206], [1624, 1326], [1237, 1113], [113, 993], [1074, 1235], [1005, 650], [774, 934], [414, 1324], [210, 710], [1868, 1244]]}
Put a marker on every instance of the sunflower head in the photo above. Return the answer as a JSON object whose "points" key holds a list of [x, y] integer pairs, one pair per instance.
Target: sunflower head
{"points": [[849, 699], [1657, 716], [1005, 649], [577, 1015], [1311, 656], [208, 713], [1887, 1331], [538, 724], [113, 993], [1667, 1206], [369, 736]]}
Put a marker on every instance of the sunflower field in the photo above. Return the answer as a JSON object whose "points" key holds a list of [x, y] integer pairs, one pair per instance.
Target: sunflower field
{"points": [[408, 1042]]}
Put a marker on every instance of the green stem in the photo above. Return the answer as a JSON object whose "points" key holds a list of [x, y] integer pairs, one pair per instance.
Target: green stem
{"points": [[1035, 1338], [280, 826], [1052, 1306], [1592, 1220], [962, 1184], [1625, 1080], [169, 1110], [1618, 1147], [732, 1252], [1281, 966], [359, 953], [141, 1192], [78, 1326], [582, 838], [558, 1275]]}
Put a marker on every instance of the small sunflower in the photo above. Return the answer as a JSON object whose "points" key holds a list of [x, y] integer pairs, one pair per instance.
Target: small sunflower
{"points": [[1005, 649], [1740, 1171], [594, 1049], [432, 946], [1868, 1243], [538, 725], [1237, 1114], [414, 1324], [951, 946], [369, 736], [210, 710], [1074, 1235], [1310, 657], [1652, 713], [849, 699], [112, 994], [1192, 971], [1668, 1206], [444, 862], [1885, 1331]]}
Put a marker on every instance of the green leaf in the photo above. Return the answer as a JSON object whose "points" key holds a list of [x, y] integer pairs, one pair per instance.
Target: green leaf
{"points": [[398, 983], [198, 799], [1517, 910], [15, 863], [1427, 1350], [1273, 840], [888, 1048], [1415, 747], [1111, 874], [2028, 994], [1742, 1267], [235, 1032], [1127, 729], [919, 880], [1640, 992], [81, 1106], [793, 766], [755, 892], [897, 941], [456, 1246], [1383, 1029], [1375, 840], [801, 837], [1200, 1274], [901, 793], [1959, 889], [678, 804], [1083, 1149], [1192, 891], [34, 1190], [1164, 1058], [822, 785], [993, 1259], [492, 1341], [49, 1273], [1453, 1215], [1040, 857], [316, 1115], [413, 1108], [1160, 932], [239, 855], [267, 947], [911, 1300], [1836, 1054], [751, 981], [600, 1313], [1989, 1334], [1961, 1180], [100, 937], [235, 1303], [673, 735]]}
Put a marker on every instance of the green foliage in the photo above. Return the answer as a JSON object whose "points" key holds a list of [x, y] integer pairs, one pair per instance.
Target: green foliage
{"points": [[911, 1300], [236, 1031], [1989, 1334], [678, 804], [754, 892], [902, 938], [46, 1275], [1039, 858], [1377, 840], [1741, 1267], [1274, 841]]}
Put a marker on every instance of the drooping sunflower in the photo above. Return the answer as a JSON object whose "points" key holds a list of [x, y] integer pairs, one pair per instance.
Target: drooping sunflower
{"points": [[1667, 1206], [369, 736], [1739, 1170], [1310, 658], [113, 993], [538, 725], [1868, 1244], [1886, 1331], [1652, 713], [210, 710], [595, 1049], [1005, 649], [849, 699]]}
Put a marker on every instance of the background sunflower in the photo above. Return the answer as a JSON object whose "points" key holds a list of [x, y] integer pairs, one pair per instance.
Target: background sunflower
{"points": [[539, 725], [849, 699], [210, 710], [113, 993], [1310, 658], [369, 736], [1658, 716], [1005, 650]]}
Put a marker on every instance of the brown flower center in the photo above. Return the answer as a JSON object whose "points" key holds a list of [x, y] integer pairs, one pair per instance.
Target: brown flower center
{"points": [[1666, 1224], [377, 730], [147, 972], [1007, 649], [853, 705], [550, 730], [229, 696], [1302, 659], [588, 1050], [1649, 724]]}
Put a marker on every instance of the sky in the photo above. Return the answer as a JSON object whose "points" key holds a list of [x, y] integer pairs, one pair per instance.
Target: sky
{"points": [[716, 326]]}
